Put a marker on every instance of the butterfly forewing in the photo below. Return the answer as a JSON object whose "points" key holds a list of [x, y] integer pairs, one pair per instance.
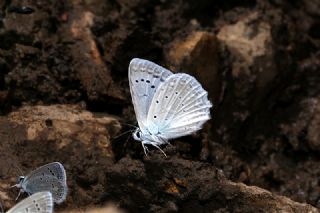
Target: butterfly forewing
{"points": [[55, 169], [144, 79], [40, 202], [180, 107], [49, 183]]}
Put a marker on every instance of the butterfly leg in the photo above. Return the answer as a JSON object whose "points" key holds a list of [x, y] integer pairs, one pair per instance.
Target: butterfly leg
{"points": [[21, 191], [15, 185], [165, 141], [158, 147], [145, 148]]}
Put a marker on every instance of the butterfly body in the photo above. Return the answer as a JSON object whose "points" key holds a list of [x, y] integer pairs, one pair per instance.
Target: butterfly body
{"points": [[167, 105], [149, 136]]}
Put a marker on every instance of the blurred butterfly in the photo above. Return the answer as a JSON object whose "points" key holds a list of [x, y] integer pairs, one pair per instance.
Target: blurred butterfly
{"points": [[21, 10], [40, 202], [50, 177], [166, 105]]}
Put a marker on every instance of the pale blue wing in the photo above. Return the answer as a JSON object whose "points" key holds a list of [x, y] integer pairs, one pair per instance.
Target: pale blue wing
{"points": [[49, 183], [54, 169], [180, 107], [144, 79], [40, 202]]}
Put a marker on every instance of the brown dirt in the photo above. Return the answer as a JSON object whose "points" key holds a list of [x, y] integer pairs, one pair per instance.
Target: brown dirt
{"points": [[64, 89]]}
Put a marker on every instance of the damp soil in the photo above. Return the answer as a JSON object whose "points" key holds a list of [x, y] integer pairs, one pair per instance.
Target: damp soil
{"points": [[60, 52]]}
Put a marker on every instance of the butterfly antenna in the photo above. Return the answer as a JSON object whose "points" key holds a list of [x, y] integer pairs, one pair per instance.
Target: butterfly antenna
{"points": [[18, 168], [126, 124], [127, 141], [118, 136], [12, 163]]}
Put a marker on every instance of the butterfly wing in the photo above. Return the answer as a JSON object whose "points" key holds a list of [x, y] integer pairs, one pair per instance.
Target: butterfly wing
{"points": [[49, 183], [37, 203], [144, 79], [54, 169], [180, 107]]}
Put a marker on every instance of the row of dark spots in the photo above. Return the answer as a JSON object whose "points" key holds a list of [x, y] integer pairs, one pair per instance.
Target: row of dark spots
{"points": [[181, 103], [52, 173], [157, 101], [37, 205], [156, 117], [147, 81]]}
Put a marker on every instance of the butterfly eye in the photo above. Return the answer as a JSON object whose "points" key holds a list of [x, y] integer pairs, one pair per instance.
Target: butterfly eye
{"points": [[20, 179], [138, 135]]}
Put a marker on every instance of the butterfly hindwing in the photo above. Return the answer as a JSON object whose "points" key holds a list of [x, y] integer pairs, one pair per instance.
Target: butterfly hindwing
{"points": [[49, 183], [40, 202], [180, 107], [55, 169], [144, 79]]}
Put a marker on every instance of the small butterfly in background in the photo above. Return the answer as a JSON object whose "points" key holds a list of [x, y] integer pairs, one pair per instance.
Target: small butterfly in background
{"points": [[166, 105], [20, 10], [40, 202], [50, 177]]}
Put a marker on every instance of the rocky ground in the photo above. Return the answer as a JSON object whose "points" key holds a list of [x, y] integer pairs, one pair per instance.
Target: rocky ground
{"points": [[64, 96]]}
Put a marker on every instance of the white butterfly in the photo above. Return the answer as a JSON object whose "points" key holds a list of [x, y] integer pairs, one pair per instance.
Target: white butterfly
{"points": [[50, 177], [40, 202], [167, 105]]}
